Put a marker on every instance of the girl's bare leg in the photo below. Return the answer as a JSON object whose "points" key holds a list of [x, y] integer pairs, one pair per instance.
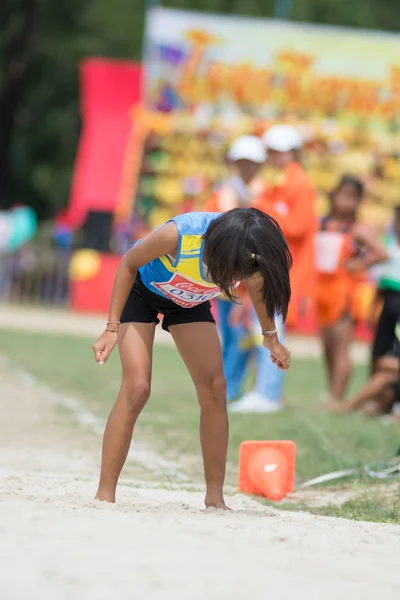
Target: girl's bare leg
{"points": [[372, 389], [381, 403], [135, 349], [342, 333], [385, 375], [328, 350], [200, 348]]}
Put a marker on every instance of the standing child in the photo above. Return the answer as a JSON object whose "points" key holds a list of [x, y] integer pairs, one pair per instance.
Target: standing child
{"points": [[246, 157], [382, 390], [175, 271], [345, 249], [289, 197]]}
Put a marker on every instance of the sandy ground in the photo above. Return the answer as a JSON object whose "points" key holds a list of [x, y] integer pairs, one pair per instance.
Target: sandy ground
{"points": [[156, 543], [62, 321]]}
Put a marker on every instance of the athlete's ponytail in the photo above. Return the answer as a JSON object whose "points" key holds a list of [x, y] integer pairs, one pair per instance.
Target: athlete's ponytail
{"points": [[244, 242]]}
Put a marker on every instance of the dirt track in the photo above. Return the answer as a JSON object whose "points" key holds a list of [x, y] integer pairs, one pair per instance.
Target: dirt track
{"points": [[157, 543]]}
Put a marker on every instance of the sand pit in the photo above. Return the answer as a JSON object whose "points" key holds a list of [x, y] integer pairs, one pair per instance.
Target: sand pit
{"points": [[157, 542]]}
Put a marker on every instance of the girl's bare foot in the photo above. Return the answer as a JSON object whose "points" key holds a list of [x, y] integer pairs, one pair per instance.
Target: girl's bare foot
{"points": [[104, 496], [219, 504], [371, 409], [337, 407]]}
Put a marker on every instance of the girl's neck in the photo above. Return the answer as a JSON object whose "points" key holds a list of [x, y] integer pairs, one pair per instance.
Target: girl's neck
{"points": [[346, 220]]}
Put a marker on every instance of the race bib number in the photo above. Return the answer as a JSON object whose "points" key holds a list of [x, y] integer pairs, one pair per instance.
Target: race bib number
{"points": [[186, 292]]}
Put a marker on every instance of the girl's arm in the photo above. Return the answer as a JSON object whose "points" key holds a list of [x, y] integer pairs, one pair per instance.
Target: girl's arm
{"points": [[162, 241], [279, 354], [374, 250]]}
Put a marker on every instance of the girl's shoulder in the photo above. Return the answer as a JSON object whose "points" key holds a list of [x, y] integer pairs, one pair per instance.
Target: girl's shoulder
{"points": [[194, 223]]}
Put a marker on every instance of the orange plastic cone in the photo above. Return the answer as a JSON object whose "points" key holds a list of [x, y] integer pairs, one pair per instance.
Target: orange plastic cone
{"points": [[267, 468], [268, 472]]}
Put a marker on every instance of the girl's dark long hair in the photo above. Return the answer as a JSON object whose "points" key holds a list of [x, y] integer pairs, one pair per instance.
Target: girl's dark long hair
{"points": [[244, 242]]}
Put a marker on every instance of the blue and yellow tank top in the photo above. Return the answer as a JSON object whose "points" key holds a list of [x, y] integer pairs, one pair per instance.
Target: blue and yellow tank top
{"points": [[183, 279]]}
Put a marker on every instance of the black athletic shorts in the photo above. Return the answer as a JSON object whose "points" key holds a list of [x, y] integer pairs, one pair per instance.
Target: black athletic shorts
{"points": [[144, 306]]}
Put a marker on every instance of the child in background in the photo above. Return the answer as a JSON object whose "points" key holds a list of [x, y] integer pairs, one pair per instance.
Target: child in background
{"points": [[344, 250], [175, 271], [383, 388]]}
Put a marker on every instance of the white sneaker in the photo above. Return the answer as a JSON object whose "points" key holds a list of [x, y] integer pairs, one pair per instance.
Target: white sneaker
{"points": [[252, 402]]}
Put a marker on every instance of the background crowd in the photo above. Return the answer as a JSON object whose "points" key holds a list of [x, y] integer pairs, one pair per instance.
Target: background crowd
{"points": [[330, 255]]}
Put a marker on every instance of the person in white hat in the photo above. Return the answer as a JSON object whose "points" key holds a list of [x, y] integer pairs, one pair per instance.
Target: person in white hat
{"points": [[246, 157], [289, 197], [281, 140]]}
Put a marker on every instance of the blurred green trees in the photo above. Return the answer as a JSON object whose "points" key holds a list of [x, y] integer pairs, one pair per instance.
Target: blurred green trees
{"points": [[41, 44]]}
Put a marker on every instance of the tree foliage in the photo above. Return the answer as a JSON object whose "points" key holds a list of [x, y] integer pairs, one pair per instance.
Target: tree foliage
{"points": [[41, 45]]}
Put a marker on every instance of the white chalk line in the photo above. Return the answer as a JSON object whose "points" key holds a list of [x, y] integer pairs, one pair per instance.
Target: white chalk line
{"points": [[148, 459]]}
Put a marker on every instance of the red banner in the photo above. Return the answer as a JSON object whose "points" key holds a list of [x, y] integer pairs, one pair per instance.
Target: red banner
{"points": [[109, 90]]}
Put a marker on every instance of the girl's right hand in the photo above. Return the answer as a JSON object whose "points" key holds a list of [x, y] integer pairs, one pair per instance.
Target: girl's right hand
{"points": [[104, 345], [280, 355]]}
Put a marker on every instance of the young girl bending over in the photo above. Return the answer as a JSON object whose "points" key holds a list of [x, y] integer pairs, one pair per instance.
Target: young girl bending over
{"points": [[345, 249], [176, 271]]}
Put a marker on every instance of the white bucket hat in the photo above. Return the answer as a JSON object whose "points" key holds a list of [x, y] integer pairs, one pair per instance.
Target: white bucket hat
{"points": [[247, 147], [282, 138]]}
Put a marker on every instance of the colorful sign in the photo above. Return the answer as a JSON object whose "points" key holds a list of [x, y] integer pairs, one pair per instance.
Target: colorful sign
{"points": [[210, 78], [266, 66]]}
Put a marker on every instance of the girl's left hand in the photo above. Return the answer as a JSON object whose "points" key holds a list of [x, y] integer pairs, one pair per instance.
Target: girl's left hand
{"points": [[280, 355], [104, 345]]}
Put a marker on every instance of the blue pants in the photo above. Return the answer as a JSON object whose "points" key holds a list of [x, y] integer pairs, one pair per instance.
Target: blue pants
{"points": [[269, 379], [236, 357]]}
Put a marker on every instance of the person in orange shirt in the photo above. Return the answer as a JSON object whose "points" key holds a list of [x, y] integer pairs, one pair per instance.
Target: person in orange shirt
{"points": [[290, 199], [246, 156], [344, 250]]}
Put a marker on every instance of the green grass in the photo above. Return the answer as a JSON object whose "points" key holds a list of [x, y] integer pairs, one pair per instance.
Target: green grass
{"points": [[325, 442], [377, 507]]}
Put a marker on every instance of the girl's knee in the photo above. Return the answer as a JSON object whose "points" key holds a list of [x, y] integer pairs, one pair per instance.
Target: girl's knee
{"points": [[135, 394], [212, 390]]}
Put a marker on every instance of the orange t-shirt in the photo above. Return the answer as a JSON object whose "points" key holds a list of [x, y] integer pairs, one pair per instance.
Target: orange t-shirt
{"points": [[292, 203], [213, 202]]}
